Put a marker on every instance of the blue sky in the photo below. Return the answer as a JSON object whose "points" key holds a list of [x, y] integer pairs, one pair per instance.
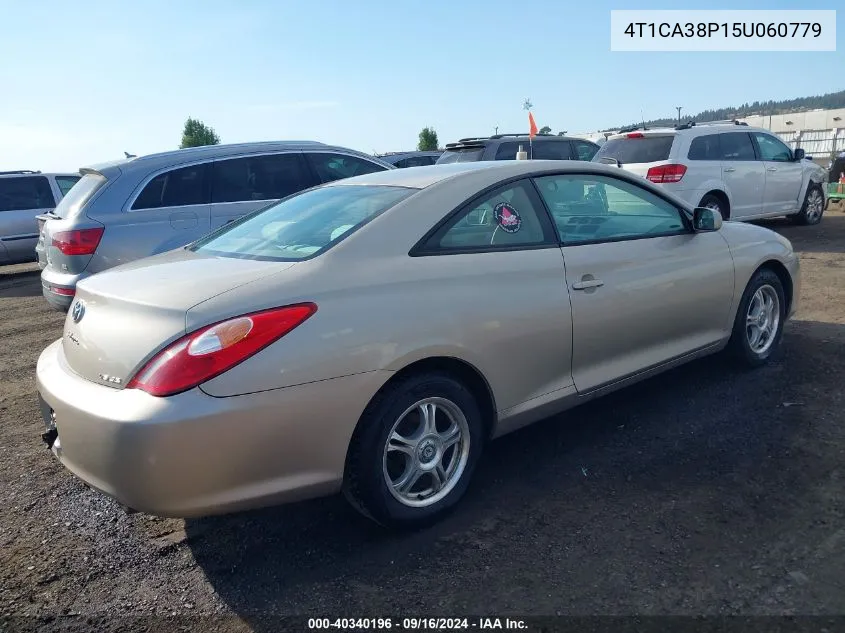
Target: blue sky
{"points": [[82, 82]]}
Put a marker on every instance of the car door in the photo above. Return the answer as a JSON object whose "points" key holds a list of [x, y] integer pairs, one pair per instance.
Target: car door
{"points": [[743, 174], [22, 198], [497, 266], [784, 176], [171, 210], [248, 183], [331, 166], [644, 288]]}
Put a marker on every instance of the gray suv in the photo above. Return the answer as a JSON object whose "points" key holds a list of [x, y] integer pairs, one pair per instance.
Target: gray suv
{"points": [[24, 195], [134, 208], [506, 146]]}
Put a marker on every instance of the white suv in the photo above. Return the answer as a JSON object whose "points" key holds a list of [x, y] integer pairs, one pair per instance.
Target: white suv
{"points": [[743, 172]]}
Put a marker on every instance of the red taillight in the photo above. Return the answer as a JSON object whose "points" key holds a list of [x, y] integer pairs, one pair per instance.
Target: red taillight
{"points": [[206, 353], [65, 292], [79, 242], [635, 135], [666, 173]]}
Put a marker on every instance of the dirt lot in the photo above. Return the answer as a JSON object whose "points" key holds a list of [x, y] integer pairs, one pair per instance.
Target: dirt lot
{"points": [[703, 491]]}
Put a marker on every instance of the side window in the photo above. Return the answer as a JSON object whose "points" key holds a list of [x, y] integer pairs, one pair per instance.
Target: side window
{"points": [[331, 167], [585, 151], [772, 148], [705, 148], [174, 188], [598, 208], [401, 164], [506, 218], [507, 151], [267, 177], [552, 150], [736, 146], [417, 161], [66, 183], [23, 194]]}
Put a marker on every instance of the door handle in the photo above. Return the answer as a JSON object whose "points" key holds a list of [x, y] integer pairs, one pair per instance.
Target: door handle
{"points": [[771, 168], [729, 169], [587, 283]]}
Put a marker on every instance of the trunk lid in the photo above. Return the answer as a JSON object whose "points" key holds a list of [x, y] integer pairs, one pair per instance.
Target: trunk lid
{"points": [[122, 317]]}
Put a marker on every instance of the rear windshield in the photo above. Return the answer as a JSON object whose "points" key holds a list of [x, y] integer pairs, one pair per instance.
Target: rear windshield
{"points": [[303, 225], [644, 149], [71, 205], [469, 155]]}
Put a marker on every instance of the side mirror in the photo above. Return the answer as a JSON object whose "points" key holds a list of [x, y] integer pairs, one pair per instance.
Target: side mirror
{"points": [[798, 154], [706, 220]]}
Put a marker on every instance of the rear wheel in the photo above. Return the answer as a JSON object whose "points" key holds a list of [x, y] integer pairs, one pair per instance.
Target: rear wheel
{"points": [[759, 321], [813, 209], [712, 201], [414, 451]]}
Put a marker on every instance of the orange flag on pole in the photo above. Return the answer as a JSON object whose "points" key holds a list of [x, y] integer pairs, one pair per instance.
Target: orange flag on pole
{"points": [[532, 127]]}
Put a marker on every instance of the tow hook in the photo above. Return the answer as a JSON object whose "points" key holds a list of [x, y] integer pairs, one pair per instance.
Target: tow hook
{"points": [[49, 436]]}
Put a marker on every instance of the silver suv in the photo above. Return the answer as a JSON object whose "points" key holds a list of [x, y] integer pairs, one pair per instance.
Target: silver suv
{"points": [[129, 209], [24, 195]]}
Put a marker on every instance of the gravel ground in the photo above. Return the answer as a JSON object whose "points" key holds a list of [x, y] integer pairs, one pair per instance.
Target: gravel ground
{"points": [[706, 490]]}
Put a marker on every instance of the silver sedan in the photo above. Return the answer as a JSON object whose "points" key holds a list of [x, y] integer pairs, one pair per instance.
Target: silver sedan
{"points": [[372, 334]]}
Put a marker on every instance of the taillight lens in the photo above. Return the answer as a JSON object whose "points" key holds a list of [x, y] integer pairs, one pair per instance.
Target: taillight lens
{"points": [[666, 173], [635, 135], [206, 353], [80, 242]]}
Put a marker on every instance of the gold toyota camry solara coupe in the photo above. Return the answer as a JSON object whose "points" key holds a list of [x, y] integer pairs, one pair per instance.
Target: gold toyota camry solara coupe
{"points": [[371, 335]]}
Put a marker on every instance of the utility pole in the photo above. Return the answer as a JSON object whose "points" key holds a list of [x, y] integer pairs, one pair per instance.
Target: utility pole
{"points": [[496, 129], [679, 108]]}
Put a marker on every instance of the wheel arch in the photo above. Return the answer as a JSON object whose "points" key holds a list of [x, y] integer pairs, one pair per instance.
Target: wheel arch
{"points": [[781, 271], [723, 197], [459, 369]]}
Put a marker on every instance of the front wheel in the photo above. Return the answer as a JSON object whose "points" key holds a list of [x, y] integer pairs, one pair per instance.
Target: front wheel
{"points": [[813, 209], [759, 321], [414, 451]]}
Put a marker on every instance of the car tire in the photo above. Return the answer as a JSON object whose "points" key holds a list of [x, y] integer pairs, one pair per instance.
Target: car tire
{"points": [[711, 201], [813, 207], [377, 469], [758, 326]]}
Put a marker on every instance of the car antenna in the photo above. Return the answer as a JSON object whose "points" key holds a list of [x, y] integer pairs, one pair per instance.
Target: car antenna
{"points": [[128, 155]]}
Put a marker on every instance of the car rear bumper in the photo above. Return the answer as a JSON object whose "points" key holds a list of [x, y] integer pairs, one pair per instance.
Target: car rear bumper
{"points": [[59, 288], [193, 454]]}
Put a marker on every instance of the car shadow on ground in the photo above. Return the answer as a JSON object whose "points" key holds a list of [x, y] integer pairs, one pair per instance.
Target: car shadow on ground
{"points": [[825, 237], [25, 284], [718, 440]]}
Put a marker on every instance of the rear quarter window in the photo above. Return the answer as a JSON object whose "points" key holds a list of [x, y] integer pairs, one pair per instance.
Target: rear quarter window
{"points": [[705, 148], [507, 151], [638, 149]]}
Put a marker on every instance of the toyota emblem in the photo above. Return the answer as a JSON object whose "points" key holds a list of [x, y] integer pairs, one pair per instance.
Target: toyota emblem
{"points": [[78, 311]]}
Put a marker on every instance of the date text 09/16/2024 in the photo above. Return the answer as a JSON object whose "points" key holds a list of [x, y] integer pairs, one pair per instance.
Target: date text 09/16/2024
{"points": [[724, 29]]}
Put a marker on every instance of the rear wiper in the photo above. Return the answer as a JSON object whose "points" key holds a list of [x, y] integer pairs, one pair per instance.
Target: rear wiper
{"points": [[610, 161]]}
